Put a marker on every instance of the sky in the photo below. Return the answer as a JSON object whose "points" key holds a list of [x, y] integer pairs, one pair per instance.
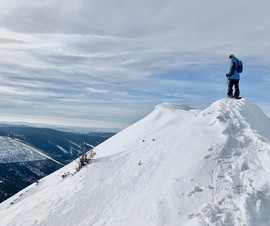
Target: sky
{"points": [[106, 64]]}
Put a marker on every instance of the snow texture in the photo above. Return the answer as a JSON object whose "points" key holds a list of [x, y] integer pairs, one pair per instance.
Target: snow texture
{"points": [[12, 150], [177, 166]]}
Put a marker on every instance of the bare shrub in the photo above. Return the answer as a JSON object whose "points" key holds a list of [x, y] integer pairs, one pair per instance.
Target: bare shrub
{"points": [[86, 157]]}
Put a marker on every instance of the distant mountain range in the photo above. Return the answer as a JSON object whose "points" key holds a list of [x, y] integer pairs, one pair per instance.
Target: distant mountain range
{"points": [[28, 154]]}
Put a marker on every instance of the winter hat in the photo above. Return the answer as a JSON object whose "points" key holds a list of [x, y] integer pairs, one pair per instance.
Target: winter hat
{"points": [[231, 56]]}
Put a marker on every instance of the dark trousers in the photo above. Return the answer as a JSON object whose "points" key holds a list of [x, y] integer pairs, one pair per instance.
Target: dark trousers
{"points": [[235, 83]]}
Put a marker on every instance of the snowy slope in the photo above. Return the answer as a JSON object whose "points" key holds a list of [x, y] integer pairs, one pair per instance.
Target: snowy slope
{"points": [[13, 150], [177, 166], [61, 146], [20, 165]]}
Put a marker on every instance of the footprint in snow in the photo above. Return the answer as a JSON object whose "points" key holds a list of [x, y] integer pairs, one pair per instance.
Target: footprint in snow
{"points": [[244, 167]]}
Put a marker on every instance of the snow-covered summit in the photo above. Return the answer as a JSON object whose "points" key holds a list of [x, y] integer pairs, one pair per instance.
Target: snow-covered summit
{"points": [[246, 111], [173, 106], [176, 166]]}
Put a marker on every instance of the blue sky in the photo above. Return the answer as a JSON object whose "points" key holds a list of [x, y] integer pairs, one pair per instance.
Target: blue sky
{"points": [[106, 64]]}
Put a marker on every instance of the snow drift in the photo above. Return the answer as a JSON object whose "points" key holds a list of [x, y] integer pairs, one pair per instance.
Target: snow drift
{"points": [[177, 166]]}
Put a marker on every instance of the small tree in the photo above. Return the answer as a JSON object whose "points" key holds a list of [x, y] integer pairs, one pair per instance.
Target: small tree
{"points": [[85, 157]]}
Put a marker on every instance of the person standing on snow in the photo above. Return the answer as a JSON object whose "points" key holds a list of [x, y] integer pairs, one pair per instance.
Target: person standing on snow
{"points": [[233, 78]]}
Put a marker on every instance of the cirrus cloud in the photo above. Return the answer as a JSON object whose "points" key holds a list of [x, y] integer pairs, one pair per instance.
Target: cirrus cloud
{"points": [[107, 63]]}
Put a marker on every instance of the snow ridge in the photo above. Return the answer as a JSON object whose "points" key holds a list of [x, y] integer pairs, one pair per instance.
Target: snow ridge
{"points": [[176, 166], [13, 150], [173, 106], [239, 180]]}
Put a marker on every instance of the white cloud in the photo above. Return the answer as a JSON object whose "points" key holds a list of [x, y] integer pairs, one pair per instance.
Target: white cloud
{"points": [[123, 55]]}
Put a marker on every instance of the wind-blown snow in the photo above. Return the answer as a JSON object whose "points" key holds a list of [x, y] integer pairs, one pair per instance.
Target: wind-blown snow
{"points": [[177, 166]]}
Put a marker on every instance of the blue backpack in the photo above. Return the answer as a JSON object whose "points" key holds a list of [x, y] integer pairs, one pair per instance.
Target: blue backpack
{"points": [[239, 67]]}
